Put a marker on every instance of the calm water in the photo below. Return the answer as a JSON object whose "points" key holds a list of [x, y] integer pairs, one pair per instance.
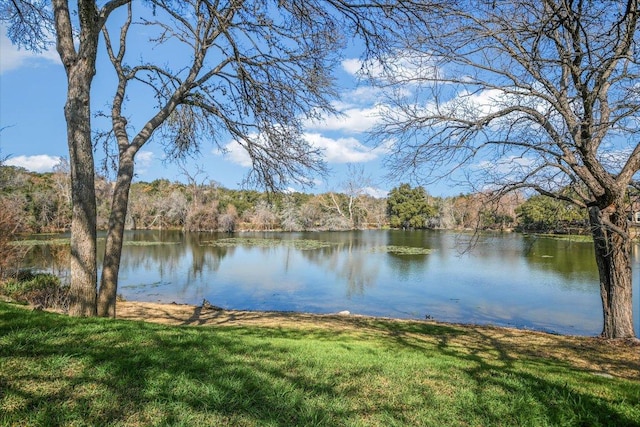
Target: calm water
{"points": [[505, 279]]}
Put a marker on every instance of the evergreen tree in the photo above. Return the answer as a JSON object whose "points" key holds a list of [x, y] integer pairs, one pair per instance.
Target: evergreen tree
{"points": [[408, 207]]}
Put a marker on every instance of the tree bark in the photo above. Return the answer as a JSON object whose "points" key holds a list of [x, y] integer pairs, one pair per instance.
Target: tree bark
{"points": [[115, 233], [83, 220], [80, 69], [613, 257]]}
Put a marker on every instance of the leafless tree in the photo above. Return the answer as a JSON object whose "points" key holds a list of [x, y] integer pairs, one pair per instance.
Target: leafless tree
{"points": [[228, 220], [238, 93], [254, 72], [290, 215], [31, 25], [354, 188], [311, 214], [10, 226], [203, 217], [262, 216], [195, 184], [529, 95]]}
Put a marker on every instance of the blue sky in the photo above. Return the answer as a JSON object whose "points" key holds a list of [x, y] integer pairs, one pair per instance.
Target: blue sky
{"points": [[32, 96]]}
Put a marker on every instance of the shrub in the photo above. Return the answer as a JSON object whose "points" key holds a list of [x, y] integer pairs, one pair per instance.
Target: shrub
{"points": [[9, 226], [42, 290]]}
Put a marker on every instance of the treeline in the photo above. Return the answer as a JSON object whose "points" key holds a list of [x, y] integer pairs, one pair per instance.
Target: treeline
{"points": [[41, 202]]}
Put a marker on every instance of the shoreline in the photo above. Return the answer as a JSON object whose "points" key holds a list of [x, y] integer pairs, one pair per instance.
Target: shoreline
{"points": [[175, 313], [600, 357], [182, 314]]}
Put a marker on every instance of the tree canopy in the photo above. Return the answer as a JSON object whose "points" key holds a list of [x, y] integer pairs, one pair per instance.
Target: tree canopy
{"points": [[546, 214], [408, 207]]}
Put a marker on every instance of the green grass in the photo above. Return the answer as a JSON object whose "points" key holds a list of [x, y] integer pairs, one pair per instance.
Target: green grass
{"points": [[56, 370]]}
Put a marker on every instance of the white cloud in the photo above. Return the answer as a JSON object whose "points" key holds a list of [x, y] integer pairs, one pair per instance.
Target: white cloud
{"points": [[38, 163], [405, 66], [12, 58], [352, 66], [482, 103], [145, 156], [364, 94], [336, 150], [144, 160], [360, 69], [352, 120], [234, 152], [342, 150], [378, 193]]}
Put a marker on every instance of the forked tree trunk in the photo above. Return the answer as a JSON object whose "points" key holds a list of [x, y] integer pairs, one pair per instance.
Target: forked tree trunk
{"points": [[613, 257], [113, 248]]}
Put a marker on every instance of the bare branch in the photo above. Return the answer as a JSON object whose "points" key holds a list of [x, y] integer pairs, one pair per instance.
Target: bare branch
{"points": [[544, 80]]}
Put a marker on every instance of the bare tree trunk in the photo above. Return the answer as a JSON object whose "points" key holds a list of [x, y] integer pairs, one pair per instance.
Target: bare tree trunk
{"points": [[613, 257], [80, 68], [83, 220], [113, 248]]}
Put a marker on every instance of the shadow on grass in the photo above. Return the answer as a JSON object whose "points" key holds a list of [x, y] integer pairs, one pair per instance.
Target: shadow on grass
{"points": [[156, 375], [533, 376], [56, 370]]}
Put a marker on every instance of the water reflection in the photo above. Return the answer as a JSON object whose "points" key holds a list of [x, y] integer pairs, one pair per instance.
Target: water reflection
{"points": [[573, 260], [504, 279], [348, 263]]}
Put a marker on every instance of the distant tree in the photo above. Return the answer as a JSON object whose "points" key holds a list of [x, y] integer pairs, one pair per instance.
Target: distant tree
{"points": [[408, 208], [289, 215], [10, 226], [335, 210], [228, 221], [195, 182], [263, 216], [311, 214], [62, 185], [11, 214], [203, 217], [177, 208], [354, 188], [376, 211], [446, 216], [541, 213]]}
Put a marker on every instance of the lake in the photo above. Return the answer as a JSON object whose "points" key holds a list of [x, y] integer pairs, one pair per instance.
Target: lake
{"points": [[506, 279]]}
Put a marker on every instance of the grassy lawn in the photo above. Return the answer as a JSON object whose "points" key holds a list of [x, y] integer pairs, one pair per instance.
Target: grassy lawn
{"points": [[56, 370]]}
